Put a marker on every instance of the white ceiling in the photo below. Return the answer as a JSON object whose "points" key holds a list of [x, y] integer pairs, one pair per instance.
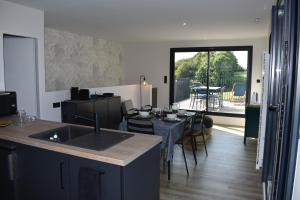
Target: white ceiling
{"points": [[157, 20]]}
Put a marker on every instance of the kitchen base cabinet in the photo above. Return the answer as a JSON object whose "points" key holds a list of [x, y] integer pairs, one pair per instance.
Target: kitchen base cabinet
{"points": [[49, 175], [7, 171], [42, 174], [92, 180], [141, 178]]}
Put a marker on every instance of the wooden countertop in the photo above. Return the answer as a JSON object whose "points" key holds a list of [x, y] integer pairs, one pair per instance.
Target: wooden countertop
{"points": [[120, 154]]}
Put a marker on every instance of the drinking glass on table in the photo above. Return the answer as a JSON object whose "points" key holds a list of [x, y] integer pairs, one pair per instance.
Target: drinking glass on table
{"points": [[156, 111]]}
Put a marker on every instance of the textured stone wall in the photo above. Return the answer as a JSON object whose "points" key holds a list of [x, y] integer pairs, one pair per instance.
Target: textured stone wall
{"points": [[83, 61]]}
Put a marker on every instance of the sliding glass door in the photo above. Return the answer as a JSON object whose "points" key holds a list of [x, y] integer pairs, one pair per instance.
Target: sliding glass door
{"points": [[190, 75], [211, 79]]}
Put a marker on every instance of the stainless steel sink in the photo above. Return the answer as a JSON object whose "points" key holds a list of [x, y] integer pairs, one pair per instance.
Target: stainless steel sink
{"points": [[83, 137]]}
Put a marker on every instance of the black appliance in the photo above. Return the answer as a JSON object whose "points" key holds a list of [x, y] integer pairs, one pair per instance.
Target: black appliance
{"points": [[84, 94], [8, 103], [74, 93]]}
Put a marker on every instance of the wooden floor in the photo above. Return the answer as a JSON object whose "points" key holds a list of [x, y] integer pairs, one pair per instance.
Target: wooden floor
{"points": [[228, 173]]}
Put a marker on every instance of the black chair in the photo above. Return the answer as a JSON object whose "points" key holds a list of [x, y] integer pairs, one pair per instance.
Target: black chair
{"points": [[187, 129], [144, 126], [128, 110], [197, 130]]}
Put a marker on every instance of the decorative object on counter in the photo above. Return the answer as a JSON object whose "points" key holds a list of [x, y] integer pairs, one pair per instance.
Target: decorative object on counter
{"points": [[95, 96], [142, 81], [74, 93], [4, 122], [21, 117], [84, 94], [108, 94]]}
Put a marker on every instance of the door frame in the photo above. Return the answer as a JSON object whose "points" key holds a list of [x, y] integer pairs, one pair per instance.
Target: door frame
{"points": [[36, 69], [249, 49]]}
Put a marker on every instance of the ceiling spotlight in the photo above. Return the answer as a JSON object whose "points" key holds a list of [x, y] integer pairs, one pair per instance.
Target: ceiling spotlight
{"points": [[184, 24]]}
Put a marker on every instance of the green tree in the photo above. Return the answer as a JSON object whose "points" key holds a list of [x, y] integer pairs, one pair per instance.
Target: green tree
{"points": [[224, 68]]}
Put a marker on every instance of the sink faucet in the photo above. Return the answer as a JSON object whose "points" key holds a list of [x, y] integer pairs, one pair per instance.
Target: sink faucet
{"points": [[95, 120]]}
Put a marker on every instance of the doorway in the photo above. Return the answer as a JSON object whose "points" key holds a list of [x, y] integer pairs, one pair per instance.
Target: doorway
{"points": [[20, 71], [212, 79]]}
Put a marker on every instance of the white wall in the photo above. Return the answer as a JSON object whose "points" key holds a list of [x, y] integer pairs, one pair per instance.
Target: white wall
{"points": [[296, 193], [21, 21], [153, 60], [24, 21]]}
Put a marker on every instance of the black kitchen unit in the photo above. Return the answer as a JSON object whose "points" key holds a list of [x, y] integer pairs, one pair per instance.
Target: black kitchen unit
{"points": [[8, 171], [49, 175], [108, 108]]}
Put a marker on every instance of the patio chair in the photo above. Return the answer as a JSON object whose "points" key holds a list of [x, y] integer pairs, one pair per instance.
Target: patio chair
{"points": [[199, 97], [239, 91]]}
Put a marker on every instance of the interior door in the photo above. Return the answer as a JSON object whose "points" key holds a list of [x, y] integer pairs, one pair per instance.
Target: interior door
{"points": [[20, 72]]}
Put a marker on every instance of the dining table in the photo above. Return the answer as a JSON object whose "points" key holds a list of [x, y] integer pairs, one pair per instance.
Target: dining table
{"points": [[170, 131]]}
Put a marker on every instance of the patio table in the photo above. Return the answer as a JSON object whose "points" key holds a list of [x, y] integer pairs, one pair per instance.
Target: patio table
{"points": [[211, 90]]}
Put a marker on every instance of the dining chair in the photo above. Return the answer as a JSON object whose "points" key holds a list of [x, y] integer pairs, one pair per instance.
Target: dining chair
{"points": [[197, 130], [128, 110], [144, 126], [181, 140]]}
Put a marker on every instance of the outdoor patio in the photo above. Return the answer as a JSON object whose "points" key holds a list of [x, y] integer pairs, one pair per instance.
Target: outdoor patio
{"points": [[228, 106]]}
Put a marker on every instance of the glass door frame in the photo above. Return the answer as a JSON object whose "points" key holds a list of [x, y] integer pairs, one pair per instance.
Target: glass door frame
{"points": [[249, 49]]}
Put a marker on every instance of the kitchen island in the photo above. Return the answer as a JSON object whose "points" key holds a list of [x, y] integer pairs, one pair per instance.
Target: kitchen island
{"points": [[39, 169]]}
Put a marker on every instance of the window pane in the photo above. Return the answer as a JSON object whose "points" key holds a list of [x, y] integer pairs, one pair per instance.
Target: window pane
{"points": [[191, 80]]}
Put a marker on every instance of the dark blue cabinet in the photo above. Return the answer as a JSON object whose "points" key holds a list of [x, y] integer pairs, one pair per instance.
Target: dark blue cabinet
{"points": [[92, 180], [48, 175], [42, 174], [7, 171]]}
